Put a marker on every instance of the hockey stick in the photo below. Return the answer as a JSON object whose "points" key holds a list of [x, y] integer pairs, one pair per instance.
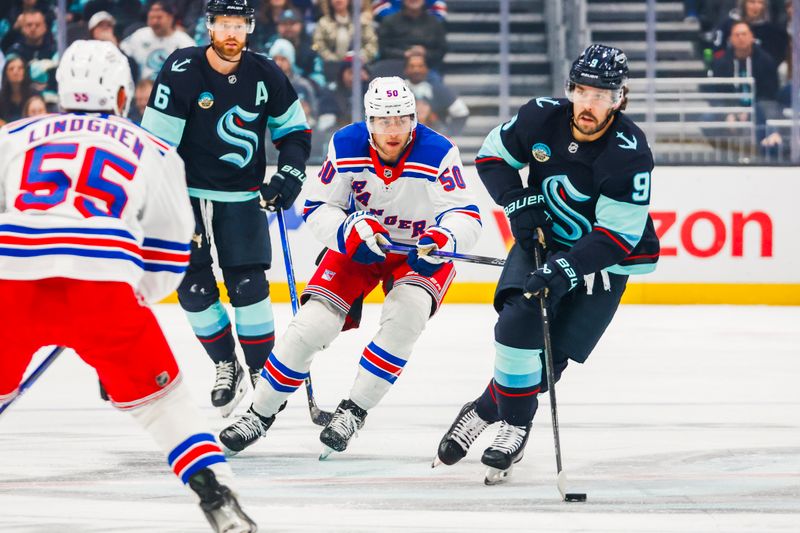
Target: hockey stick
{"points": [[36, 374], [318, 416], [551, 385], [467, 258]]}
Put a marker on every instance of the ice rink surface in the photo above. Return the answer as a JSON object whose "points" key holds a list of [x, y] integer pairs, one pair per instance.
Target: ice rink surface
{"points": [[684, 419]]}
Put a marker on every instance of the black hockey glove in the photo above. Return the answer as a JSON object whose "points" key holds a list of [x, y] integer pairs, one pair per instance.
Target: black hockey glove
{"points": [[526, 211], [283, 188], [557, 277]]}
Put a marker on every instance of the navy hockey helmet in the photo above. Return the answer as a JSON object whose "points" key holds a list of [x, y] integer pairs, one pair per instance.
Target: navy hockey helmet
{"points": [[231, 8], [600, 66]]}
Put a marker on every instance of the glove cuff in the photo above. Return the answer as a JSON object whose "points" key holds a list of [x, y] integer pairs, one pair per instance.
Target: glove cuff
{"points": [[518, 201], [348, 237], [441, 237], [567, 267]]}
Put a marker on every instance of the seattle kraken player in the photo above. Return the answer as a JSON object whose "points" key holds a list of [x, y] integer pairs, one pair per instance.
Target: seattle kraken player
{"points": [[588, 190], [385, 178], [216, 103]]}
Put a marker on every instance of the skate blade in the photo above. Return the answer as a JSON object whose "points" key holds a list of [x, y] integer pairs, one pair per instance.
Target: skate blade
{"points": [[495, 476], [228, 408], [326, 452], [227, 452], [436, 461]]}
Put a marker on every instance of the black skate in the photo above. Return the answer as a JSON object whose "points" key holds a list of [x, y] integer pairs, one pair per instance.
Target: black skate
{"points": [[254, 375], [245, 431], [456, 442], [505, 451], [228, 387], [219, 504], [346, 422]]}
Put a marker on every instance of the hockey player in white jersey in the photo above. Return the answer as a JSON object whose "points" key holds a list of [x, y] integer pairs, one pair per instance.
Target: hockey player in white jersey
{"points": [[385, 179], [94, 222]]}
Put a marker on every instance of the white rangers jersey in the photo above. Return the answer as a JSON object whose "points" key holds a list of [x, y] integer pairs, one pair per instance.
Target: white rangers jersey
{"points": [[92, 197], [424, 189], [150, 51]]}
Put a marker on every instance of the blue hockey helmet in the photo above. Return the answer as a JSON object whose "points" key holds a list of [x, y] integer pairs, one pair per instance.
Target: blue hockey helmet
{"points": [[600, 66], [231, 8]]}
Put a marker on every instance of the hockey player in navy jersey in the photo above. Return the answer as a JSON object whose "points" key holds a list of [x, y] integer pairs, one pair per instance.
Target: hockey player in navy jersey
{"points": [[385, 179], [588, 190], [216, 103], [94, 222]]}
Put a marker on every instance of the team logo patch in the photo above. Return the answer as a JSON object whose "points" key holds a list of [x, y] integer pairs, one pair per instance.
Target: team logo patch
{"points": [[232, 79], [573, 147], [328, 275], [387, 173], [541, 152], [205, 100], [162, 379]]}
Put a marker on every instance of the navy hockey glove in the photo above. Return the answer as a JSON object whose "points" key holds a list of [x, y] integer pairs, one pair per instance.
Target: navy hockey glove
{"points": [[283, 188], [557, 277], [419, 258], [526, 212]]}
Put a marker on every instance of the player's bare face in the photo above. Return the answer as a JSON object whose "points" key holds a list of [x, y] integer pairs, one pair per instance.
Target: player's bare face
{"points": [[591, 108], [229, 36], [390, 135]]}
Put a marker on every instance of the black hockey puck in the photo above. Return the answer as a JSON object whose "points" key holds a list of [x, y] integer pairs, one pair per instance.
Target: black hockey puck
{"points": [[575, 497]]}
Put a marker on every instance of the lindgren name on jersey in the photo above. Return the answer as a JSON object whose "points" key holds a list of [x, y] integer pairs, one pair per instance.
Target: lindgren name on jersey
{"points": [[118, 132]]}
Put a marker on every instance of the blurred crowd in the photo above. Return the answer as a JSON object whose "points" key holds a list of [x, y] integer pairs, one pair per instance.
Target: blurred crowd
{"points": [[311, 41]]}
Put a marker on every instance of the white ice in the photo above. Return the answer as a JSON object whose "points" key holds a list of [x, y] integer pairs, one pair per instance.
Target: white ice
{"points": [[684, 419]]}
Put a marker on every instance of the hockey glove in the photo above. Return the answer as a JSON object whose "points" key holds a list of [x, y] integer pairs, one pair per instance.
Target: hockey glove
{"points": [[526, 211], [360, 237], [433, 239], [283, 188], [557, 277]]}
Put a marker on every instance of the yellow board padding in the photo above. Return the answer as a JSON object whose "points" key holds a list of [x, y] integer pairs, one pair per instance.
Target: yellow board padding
{"points": [[636, 293]]}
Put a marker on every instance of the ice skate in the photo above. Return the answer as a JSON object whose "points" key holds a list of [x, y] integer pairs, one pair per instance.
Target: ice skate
{"points": [[462, 433], [254, 375], [245, 431], [346, 422], [219, 504], [228, 388], [505, 451]]}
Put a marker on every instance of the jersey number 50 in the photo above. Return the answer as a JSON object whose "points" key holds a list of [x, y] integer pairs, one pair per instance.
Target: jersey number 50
{"points": [[96, 196]]}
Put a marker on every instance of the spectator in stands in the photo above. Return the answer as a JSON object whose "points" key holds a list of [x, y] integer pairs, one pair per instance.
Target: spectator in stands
{"points": [[413, 30], [141, 96], [772, 37], [101, 28], [383, 8], [333, 36], [36, 41], [150, 46], [307, 61], [16, 89], [283, 53], [438, 106], [267, 14], [12, 19], [785, 68], [745, 58], [343, 90], [34, 106]]}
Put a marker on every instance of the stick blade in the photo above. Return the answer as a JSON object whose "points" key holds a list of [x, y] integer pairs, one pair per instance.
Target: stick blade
{"points": [[562, 485]]}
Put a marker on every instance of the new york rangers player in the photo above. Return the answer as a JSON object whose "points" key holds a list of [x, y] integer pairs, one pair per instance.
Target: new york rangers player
{"points": [[386, 179], [94, 222]]}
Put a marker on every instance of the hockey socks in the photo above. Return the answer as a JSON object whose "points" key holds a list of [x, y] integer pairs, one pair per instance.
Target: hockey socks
{"points": [[213, 329], [255, 328]]}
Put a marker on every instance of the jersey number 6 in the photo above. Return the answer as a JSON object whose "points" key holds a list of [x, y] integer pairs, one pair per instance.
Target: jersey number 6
{"points": [[42, 189]]}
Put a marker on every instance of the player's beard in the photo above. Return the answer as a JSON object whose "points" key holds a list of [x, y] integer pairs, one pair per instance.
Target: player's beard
{"points": [[596, 126], [223, 51]]}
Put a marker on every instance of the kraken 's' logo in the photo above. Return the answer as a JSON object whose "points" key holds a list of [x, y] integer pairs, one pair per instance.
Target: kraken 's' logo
{"points": [[230, 129], [568, 224]]}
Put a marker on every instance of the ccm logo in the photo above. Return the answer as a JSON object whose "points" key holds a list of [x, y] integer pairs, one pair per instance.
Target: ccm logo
{"points": [[721, 230]]}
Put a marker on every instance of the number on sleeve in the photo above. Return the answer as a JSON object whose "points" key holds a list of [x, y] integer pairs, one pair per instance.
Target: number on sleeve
{"points": [[162, 97], [641, 187]]}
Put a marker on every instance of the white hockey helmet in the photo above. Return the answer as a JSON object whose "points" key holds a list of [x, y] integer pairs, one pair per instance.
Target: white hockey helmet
{"points": [[389, 97], [90, 75]]}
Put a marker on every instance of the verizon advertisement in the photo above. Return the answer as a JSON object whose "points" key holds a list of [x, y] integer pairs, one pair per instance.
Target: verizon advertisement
{"points": [[716, 225]]}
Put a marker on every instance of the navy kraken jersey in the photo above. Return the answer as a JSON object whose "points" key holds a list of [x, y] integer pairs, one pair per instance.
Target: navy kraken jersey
{"points": [[597, 192], [219, 122]]}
